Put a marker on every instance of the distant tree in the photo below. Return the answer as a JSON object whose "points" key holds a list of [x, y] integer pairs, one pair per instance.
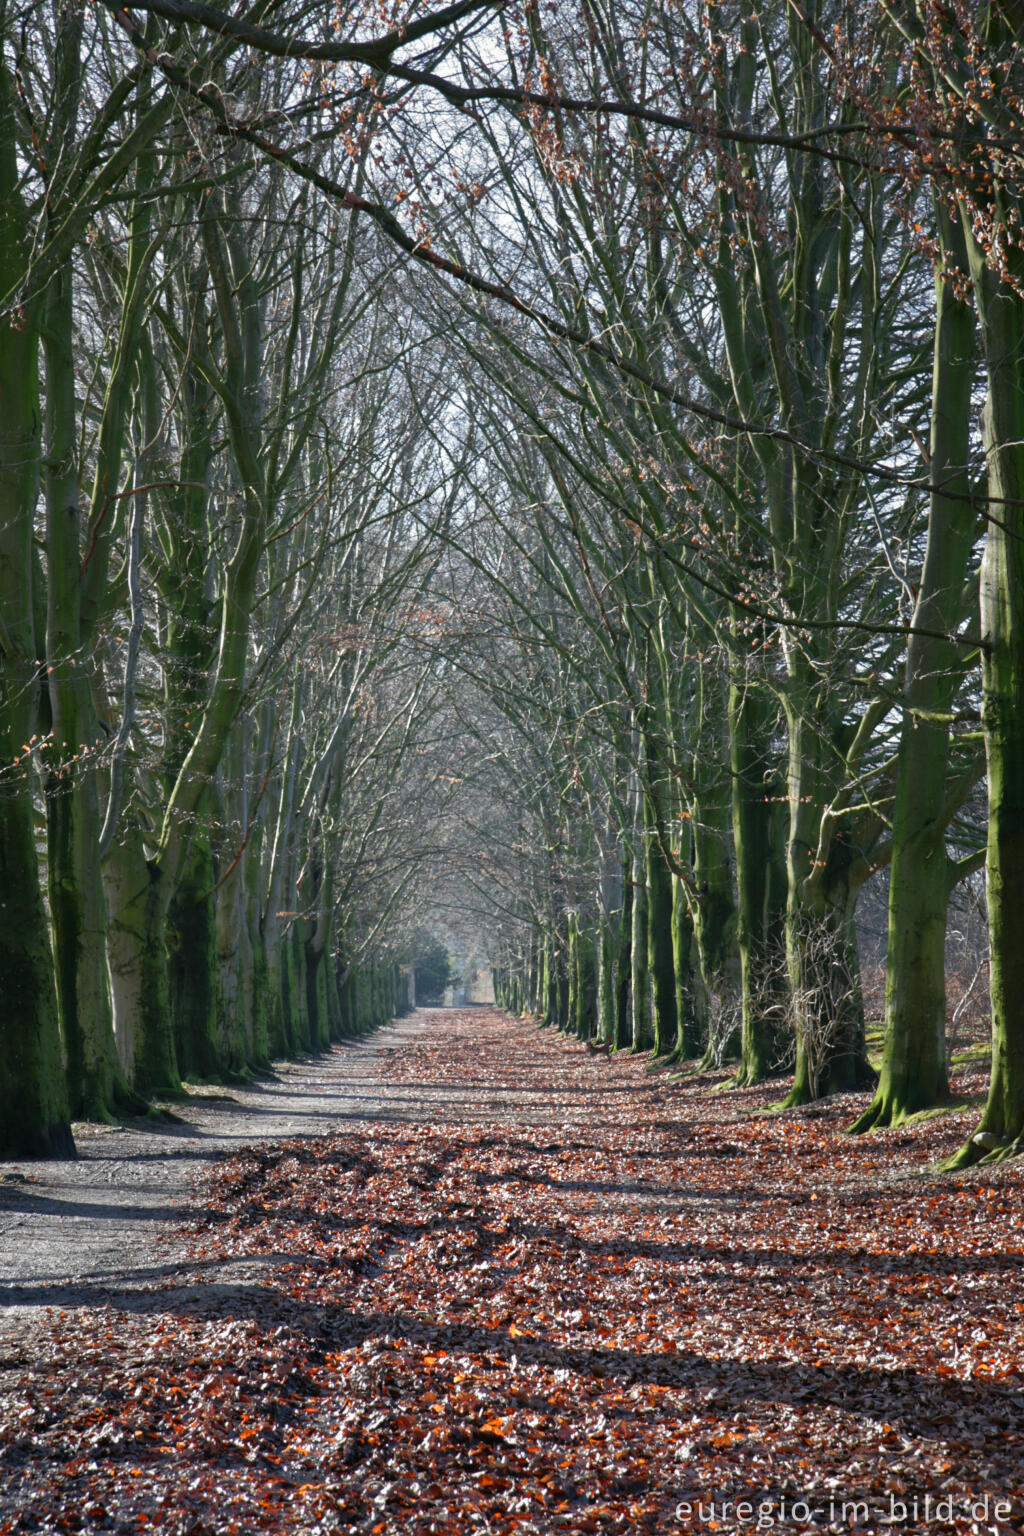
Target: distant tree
{"points": [[432, 965]]}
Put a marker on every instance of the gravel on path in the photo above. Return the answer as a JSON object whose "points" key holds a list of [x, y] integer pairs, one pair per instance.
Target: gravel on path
{"points": [[99, 1228]]}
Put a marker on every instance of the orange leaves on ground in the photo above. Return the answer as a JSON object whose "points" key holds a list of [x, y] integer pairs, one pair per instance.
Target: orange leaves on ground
{"points": [[571, 1297]]}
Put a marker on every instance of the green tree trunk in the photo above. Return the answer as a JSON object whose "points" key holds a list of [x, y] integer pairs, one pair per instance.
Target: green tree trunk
{"points": [[191, 938], [688, 980], [611, 940], [561, 1018], [34, 1118], [137, 962], [660, 949], [624, 963], [1001, 312], [33, 1098], [607, 956], [236, 1013], [758, 843], [821, 950], [346, 998], [584, 1016], [316, 997], [235, 1023], [277, 1033], [97, 1088], [297, 996], [289, 1017], [573, 968], [914, 1070], [551, 953], [714, 913], [263, 1053], [640, 978]]}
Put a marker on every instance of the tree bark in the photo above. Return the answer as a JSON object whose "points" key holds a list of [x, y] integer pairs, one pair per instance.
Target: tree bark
{"points": [[660, 951], [34, 1118], [97, 1088], [640, 976], [137, 962], [758, 843], [1001, 312], [914, 1068]]}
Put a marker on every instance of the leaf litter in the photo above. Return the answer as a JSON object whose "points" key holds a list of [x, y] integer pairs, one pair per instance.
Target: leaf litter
{"points": [[565, 1294]]}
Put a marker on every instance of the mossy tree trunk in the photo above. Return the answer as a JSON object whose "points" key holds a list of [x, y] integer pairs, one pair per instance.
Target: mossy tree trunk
{"points": [[34, 1118], [35, 260], [689, 982], [624, 963], [1001, 311], [611, 940], [137, 962], [191, 938], [97, 1088], [820, 937], [759, 844], [914, 1071], [660, 948], [573, 942], [642, 1036], [319, 889], [583, 1016]]}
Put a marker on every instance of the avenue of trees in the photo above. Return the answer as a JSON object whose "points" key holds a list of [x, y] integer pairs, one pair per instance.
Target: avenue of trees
{"points": [[568, 454]]}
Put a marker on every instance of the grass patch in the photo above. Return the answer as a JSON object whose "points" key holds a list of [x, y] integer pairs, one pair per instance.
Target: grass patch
{"points": [[953, 1107], [980, 1052]]}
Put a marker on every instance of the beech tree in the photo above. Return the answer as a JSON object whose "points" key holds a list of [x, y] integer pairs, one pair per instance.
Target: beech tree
{"points": [[66, 144], [653, 341], [223, 381], [967, 68]]}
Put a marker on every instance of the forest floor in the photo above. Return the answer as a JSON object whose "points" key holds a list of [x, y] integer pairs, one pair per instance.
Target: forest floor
{"points": [[489, 1281]]}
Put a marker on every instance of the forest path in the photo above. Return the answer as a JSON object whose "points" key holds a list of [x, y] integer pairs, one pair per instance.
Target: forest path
{"points": [[468, 1277], [95, 1229]]}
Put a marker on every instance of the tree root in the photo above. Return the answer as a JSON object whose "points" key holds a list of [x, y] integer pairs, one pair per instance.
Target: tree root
{"points": [[983, 1149]]}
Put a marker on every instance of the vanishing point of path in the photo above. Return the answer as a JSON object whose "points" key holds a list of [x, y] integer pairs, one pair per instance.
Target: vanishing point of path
{"points": [[468, 1276]]}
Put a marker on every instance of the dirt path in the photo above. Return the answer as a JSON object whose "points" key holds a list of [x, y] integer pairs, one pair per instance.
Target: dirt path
{"points": [[98, 1229], [513, 1288]]}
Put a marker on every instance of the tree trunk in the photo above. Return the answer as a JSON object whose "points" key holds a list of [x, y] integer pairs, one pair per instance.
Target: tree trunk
{"points": [[585, 1017], [34, 1117], [1001, 309], [237, 1047], [561, 1018], [573, 937], [640, 978], [914, 1070], [714, 914], [192, 967], [821, 951], [624, 964], [33, 1098], [607, 958], [96, 1085], [316, 996], [827, 1003], [689, 982], [660, 951], [295, 969], [758, 843], [335, 1019], [137, 962]]}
